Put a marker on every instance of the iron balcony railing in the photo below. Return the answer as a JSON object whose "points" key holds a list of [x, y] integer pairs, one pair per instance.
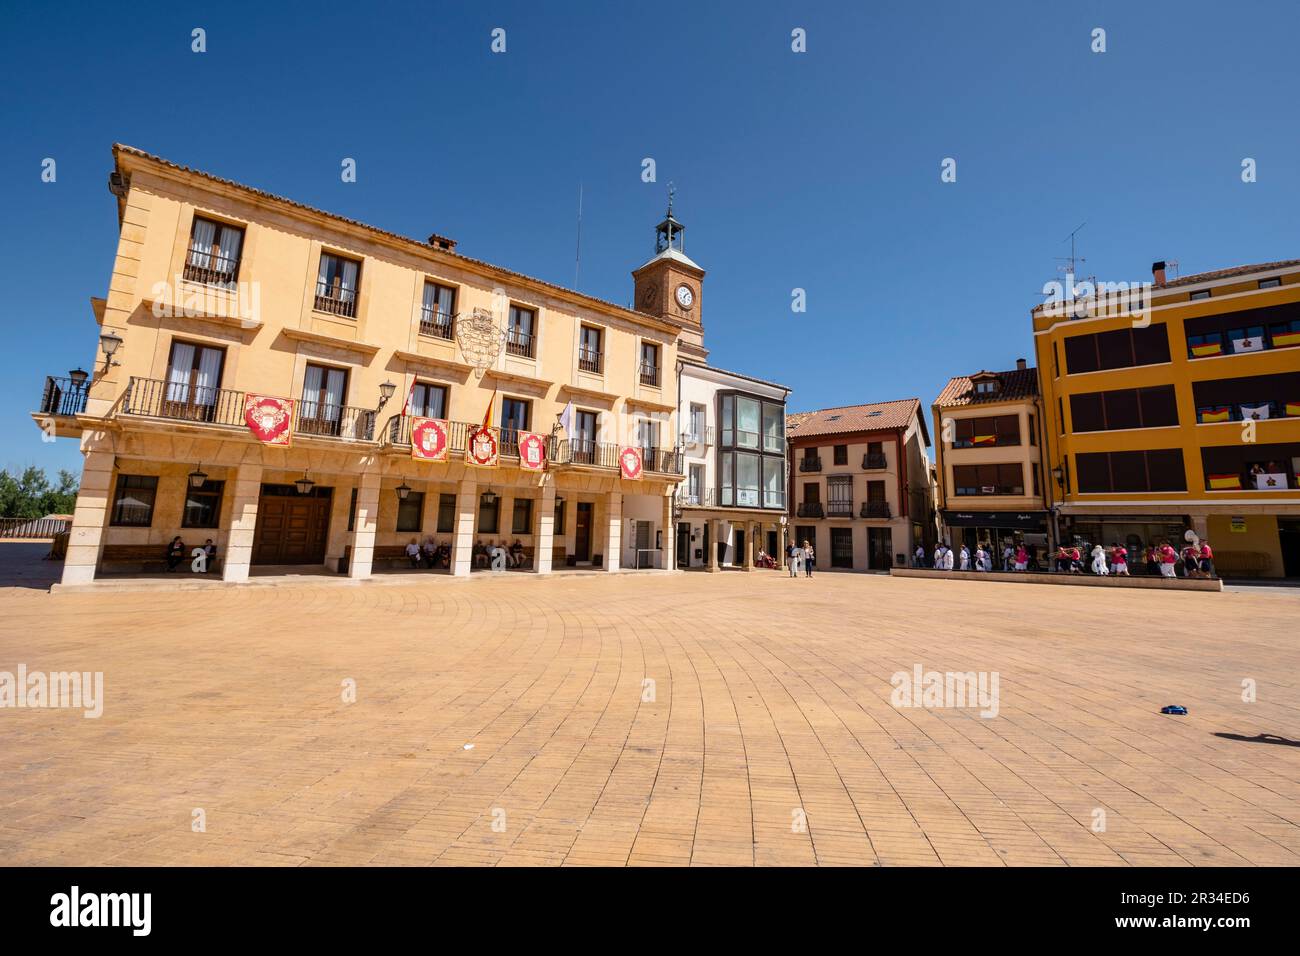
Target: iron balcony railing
{"points": [[33, 527], [521, 343], [591, 360], [649, 374], [810, 509], [875, 509], [182, 402], [438, 325], [810, 464], [702, 498], [839, 509], [62, 396], [870, 461], [336, 300], [155, 398], [662, 461], [204, 266]]}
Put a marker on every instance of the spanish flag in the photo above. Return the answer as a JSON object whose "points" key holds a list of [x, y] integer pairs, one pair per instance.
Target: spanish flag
{"points": [[1293, 409], [1283, 339], [487, 416], [1224, 482], [1209, 348], [1222, 413], [984, 440]]}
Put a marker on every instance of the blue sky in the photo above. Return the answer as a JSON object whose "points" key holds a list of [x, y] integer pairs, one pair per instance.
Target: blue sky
{"points": [[818, 171]]}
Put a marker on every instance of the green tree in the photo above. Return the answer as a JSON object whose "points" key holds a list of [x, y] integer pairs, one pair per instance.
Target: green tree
{"points": [[30, 495]]}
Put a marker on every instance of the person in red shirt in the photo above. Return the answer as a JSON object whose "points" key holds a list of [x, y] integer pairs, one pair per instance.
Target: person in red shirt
{"points": [[1168, 558], [1118, 559], [1076, 560], [1207, 560]]}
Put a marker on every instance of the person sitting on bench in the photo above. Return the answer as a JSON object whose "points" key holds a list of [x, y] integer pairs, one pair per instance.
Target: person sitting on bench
{"points": [[210, 555], [413, 553], [517, 554], [175, 553]]}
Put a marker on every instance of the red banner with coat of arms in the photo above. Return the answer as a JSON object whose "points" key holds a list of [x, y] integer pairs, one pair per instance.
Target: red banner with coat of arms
{"points": [[429, 439], [270, 419], [532, 451], [482, 448], [629, 463]]}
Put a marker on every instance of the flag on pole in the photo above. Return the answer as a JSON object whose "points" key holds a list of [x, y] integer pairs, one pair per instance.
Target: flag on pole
{"points": [[410, 395], [1257, 412], [566, 418]]}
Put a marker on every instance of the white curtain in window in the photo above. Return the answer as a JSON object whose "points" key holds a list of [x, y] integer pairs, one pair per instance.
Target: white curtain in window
{"points": [[349, 281], [231, 239], [334, 393], [323, 275], [178, 376], [209, 377], [311, 384], [201, 242], [430, 297]]}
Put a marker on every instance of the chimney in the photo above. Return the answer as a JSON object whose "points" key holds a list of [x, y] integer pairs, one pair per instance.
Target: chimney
{"points": [[1020, 365], [1158, 273]]}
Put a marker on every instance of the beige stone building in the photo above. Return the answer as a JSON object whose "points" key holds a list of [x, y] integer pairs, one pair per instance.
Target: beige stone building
{"points": [[220, 292], [860, 488], [988, 428]]}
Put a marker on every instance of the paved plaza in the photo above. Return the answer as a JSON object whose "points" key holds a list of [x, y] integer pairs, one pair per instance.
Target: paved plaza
{"points": [[652, 719]]}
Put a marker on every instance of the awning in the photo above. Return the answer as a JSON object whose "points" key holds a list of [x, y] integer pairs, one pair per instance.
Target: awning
{"points": [[1026, 520]]}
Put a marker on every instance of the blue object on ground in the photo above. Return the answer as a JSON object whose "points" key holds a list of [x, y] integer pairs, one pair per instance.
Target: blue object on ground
{"points": [[1174, 709]]}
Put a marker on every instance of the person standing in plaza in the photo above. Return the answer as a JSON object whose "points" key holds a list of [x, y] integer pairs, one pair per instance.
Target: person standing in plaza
{"points": [[920, 556], [1168, 558], [796, 559], [1119, 559], [1207, 560], [809, 559]]}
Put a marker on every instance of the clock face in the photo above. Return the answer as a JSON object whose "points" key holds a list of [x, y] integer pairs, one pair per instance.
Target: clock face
{"points": [[685, 297]]}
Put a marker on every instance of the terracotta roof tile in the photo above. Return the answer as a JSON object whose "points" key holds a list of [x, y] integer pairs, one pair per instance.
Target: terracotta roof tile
{"points": [[1016, 384], [1228, 273], [853, 418]]}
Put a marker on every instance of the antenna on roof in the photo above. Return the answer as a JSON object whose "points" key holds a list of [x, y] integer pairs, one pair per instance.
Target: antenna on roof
{"points": [[577, 254], [1072, 261], [1172, 264]]}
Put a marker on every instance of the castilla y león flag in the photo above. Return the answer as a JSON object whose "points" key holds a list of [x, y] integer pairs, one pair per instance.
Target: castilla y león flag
{"points": [[429, 439], [481, 447], [629, 463], [270, 419]]}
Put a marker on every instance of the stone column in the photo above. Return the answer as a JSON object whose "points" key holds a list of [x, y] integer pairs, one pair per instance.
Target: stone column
{"points": [[86, 537], [1200, 524], [246, 490], [544, 528], [669, 552], [363, 527], [613, 536], [747, 562], [462, 541], [712, 556]]}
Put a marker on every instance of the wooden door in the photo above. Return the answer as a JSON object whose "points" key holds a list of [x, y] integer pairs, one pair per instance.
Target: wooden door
{"points": [[291, 530], [582, 532]]}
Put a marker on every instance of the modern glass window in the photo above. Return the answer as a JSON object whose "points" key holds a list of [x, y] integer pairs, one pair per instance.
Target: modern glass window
{"points": [[336, 285], [133, 500], [1199, 294], [438, 310], [410, 511], [446, 514], [1249, 338], [747, 422], [991, 430], [773, 427], [728, 420], [773, 483], [991, 479], [521, 333], [213, 256], [428, 401], [1125, 471], [1121, 348], [746, 480], [489, 514], [1284, 334], [1153, 407], [202, 505], [728, 477], [522, 520], [1205, 346], [1272, 283]]}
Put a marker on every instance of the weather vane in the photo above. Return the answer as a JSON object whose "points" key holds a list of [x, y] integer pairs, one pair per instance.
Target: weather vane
{"points": [[672, 191]]}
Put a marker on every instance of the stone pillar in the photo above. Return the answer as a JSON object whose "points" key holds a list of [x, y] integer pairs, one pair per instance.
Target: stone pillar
{"points": [[781, 546], [462, 541], [1201, 525], [86, 537], [544, 528], [245, 492], [669, 552], [712, 557], [613, 536], [747, 562], [364, 525]]}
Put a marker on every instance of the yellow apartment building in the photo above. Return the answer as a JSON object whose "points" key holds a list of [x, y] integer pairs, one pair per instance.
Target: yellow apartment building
{"points": [[991, 487], [262, 363], [1183, 413], [860, 484]]}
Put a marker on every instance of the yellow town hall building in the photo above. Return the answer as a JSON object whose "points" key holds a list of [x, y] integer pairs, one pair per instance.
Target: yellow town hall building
{"points": [[222, 295]]}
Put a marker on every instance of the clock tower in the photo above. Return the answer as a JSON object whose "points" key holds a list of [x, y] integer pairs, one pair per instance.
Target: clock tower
{"points": [[670, 284]]}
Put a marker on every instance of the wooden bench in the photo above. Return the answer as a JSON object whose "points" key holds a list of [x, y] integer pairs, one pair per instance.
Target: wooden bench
{"points": [[393, 556], [149, 557]]}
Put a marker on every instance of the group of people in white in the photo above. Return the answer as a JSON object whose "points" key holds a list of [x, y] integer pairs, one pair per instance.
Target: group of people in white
{"points": [[946, 559]]}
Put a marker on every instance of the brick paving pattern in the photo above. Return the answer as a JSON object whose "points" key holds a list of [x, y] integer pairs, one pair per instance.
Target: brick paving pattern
{"points": [[768, 736]]}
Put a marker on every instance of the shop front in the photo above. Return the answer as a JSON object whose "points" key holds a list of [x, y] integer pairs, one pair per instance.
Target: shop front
{"points": [[999, 530]]}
